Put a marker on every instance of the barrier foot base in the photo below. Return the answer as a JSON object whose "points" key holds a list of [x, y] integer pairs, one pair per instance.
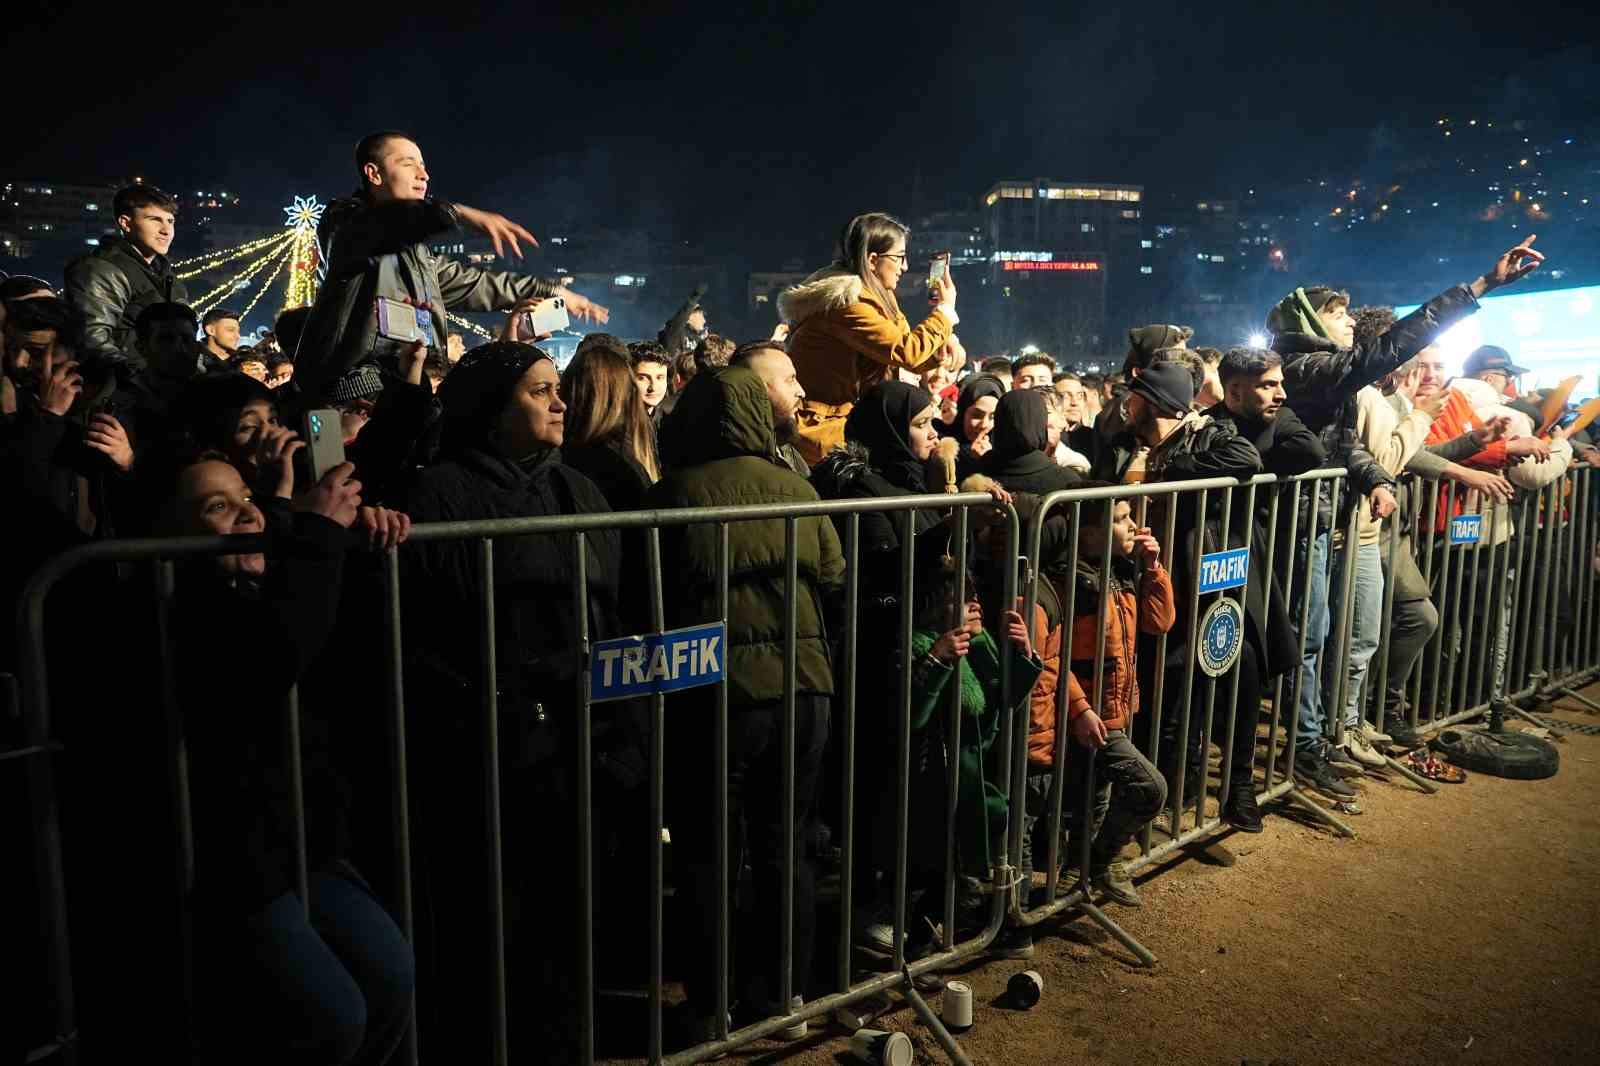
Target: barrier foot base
{"points": [[1572, 695], [1410, 775], [931, 1020], [1100, 918], [1319, 812]]}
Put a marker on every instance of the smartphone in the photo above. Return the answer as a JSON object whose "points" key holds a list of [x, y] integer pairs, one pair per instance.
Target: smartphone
{"points": [[548, 317], [404, 323], [937, 270], [324, 439]]}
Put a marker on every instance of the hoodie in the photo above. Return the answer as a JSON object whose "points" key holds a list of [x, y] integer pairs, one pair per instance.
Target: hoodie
{"points": [[1018, 459]]}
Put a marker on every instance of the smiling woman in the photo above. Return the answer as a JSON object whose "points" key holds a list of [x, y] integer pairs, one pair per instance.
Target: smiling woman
{"points": [[849, 332]]}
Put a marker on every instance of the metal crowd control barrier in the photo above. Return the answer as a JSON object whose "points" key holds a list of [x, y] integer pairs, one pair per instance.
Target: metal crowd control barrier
{"points": [[1524, 645], [47, 830]]}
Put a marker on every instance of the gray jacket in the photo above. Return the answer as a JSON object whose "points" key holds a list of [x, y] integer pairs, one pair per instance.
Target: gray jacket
{"points": [[370, 250]]}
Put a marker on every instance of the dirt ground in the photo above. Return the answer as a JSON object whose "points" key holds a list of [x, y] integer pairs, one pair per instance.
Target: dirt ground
{"points": [[1456, 928]]}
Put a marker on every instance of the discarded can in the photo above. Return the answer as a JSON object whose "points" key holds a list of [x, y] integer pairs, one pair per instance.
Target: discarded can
{"points": [[1025, 988], [957, 1005], [881, 1048]]}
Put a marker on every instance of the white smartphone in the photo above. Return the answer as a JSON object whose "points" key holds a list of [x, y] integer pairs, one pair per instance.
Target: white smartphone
{"points": [[548, 317]]}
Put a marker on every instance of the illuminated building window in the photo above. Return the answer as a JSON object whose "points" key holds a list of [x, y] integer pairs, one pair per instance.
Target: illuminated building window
{"points": [[1147, 244], [1147, 270], [1129, 212]]}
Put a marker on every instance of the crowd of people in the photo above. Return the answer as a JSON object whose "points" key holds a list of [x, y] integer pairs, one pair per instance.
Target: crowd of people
{"points": [[125, 414]]}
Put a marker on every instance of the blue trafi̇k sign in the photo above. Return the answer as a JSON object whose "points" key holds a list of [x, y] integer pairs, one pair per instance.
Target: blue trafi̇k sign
{"points": [[1466, 529], [657, 662], [1224, 570]]}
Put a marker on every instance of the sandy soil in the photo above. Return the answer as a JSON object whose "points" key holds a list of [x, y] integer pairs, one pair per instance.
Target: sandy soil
{"points": [[1456, 928]]}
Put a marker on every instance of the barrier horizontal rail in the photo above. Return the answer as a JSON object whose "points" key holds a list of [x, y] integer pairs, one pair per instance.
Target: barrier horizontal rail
{"points": [[1555, 535]]}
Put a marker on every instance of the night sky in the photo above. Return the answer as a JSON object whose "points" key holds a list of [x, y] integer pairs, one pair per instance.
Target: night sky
{"points": [[767, 126]]}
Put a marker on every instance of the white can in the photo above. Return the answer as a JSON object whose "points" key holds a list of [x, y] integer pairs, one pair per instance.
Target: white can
{"points": [[957, 1005], [881, 1048]]}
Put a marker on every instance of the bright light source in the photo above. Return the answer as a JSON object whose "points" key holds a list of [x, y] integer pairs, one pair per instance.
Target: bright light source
{"points": [[1258, 340], [1029, 349]]}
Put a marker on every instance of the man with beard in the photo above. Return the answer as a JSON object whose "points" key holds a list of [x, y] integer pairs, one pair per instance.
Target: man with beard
{"points": [[1253, 406], [770, 363]]}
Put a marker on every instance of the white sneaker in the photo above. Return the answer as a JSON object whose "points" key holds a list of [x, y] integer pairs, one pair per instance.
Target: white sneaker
{"points": [[1372, 735], [1357, 747]]}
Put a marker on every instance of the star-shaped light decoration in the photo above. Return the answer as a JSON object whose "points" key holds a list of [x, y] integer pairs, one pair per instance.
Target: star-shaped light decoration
{"points": [[306, 212]]}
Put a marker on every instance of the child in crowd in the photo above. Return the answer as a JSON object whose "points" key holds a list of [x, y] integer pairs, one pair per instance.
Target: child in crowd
{"points": [[1130, 790]]}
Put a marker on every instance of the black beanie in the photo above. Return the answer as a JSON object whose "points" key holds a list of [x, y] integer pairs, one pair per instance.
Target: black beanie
{"points": [[475, 392], [1145, 341], [1169, 386]]}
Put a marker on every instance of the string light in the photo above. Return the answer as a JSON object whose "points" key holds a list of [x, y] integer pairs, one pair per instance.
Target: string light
{"points": [[467, 323], [212, 260], [266, 285], [218, 294], [301, 290]]}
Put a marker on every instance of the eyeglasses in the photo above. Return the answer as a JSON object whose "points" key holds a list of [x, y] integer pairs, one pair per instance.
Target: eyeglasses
{"points": [[893, 255]]}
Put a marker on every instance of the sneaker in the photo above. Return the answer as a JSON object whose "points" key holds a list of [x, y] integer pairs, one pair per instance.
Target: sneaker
{"points": [[1358, 748], [1372, 735], [1012, 942], [1312, 771], [1340, 761], [1115, 885], [1401, 734], [875, 931], [1242, 812]]}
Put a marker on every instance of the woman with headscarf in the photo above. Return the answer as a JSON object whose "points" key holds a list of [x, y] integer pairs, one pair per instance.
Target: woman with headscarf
{"points": [[969, 439], [500, 439], [1018, 457]]}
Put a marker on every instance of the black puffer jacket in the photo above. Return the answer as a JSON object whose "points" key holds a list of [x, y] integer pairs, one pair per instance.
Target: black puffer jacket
{"points": [[109, 287], [1322, 380]]}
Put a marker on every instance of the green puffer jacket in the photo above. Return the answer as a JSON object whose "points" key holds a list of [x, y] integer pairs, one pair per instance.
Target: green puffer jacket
{"points": [[719, 449]]}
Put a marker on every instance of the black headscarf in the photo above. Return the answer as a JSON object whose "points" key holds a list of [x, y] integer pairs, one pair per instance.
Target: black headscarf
{"points": [[474, 394], [881, 420], [972, 390], [1021, 425]]}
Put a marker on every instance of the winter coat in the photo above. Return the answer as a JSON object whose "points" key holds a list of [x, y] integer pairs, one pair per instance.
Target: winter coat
{"points": [[1141, 603], [109, 287], [1017, 458], [843, 342], [676, 336], [1322, 379], [719, 449], [371, 250]]}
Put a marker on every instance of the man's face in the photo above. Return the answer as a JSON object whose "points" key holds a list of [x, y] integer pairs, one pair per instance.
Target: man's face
{"points": [[1257, 397], [1094, 537], [1498, 380], [170, 347], [400, 174], [652, 381], [25, 353], [1431, 374], [1074, 401], [224, 334], [254, 368], [150, 229], [1033, 377], [1337, 321], [1143, 417], [697, 320], [455, 347], [776, 370]]}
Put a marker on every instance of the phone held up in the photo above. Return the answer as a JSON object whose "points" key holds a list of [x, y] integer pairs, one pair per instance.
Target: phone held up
{"points": [[938, 267], [549, 316], [403, 323], [324, 448]]}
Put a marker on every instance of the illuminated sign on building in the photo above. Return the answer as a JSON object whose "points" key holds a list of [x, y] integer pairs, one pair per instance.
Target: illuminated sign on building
{"points": [[1079, 265]]}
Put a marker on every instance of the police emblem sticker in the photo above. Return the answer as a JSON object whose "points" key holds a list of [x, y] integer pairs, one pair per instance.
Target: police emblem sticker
{"points": [[1221, 637]]}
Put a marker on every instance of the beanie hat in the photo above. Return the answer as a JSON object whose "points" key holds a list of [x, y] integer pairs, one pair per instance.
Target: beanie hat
{"points": [[358, 383], [1169, 386], [1298, 311], [1145, 341]]}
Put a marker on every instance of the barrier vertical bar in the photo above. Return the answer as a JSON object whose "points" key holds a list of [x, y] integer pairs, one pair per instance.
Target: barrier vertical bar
{"points": [[1447, 633], [1381, 691], [399, 779], [847, 741], [1058, 780], [1210, 681], [1342, 636], [658, 801], [1425, 560], [953, 728], [1158, 697], [1291, 545], [719, 756], [1470, 556], [903, 740], [1182, 756], [295, 768], [1314, 514], [791, 582], [491, 784], [1520, 662], [585, 801], [1226, 782], [1497, 596]]}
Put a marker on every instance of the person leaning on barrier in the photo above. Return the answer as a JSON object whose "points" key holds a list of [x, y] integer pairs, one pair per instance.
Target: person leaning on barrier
{"points": [[719, 449], [1253, 405], [501, 431]]}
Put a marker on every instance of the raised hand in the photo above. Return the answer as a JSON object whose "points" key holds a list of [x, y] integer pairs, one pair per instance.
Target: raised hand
{"points": [[501, 231], [59, 385], [1514, 265]]}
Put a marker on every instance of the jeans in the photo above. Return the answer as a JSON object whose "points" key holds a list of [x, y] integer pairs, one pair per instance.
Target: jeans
{"points": [[1411, 626], [1129, 792], [1309, 692], [1366, 624], [755, 776], [334, 987]]}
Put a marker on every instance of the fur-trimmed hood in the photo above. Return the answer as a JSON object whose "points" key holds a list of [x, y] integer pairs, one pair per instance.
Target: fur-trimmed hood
{"points": [[827, 290]]}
